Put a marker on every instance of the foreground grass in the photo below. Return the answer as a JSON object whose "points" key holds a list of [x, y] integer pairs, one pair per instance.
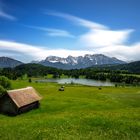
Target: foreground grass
{"points": [[78, 113]]}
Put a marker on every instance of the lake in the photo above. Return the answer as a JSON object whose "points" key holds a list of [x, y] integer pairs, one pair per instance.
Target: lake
{"points": [[88, 82]]}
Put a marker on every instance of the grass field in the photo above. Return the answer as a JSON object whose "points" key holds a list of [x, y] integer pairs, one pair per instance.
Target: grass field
{"points": [[78, 113]]}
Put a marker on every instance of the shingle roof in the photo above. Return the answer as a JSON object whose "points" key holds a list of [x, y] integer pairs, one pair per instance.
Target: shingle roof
{"points": [[24, 96]]}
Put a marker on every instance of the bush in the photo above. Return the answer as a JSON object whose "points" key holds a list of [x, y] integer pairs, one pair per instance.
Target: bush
{"points": [[30, 80], [2, 91], [5, 82]]}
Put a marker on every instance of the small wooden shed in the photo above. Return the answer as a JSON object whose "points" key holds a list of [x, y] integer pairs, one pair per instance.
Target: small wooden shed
{"points": [[20, 100]]}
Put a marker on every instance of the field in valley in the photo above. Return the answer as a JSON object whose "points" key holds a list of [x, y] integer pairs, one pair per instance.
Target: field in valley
{"points": [[78, 113]]}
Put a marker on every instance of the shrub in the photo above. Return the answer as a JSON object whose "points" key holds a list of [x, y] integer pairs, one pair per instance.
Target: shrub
{"points": [[2, 91], [30, 80], [5, 82]]}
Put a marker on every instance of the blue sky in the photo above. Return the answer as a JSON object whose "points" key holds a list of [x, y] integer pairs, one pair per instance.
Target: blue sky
{"points": [[35, 29]]}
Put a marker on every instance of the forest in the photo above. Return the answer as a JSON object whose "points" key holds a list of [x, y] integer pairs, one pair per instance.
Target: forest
{"points": [[96, 73]]}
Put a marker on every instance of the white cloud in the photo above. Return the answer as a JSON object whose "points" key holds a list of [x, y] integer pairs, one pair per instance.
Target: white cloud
{"points": [[123, 52], [58, 32], [6, 16], [99, 38], [98, 34], [77, 20], [53, 31], [30, 52], [35, 52]]}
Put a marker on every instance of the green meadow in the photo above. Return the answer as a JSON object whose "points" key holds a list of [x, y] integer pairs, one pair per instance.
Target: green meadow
{"points": [[78, 113]]}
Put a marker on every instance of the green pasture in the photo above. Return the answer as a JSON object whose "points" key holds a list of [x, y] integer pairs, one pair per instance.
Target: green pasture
{"points": [[78, 113]]}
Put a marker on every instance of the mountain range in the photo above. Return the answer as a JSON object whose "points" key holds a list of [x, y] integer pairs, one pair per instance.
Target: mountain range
{"points": [[115, 64], [79, 62], [67, 63]]}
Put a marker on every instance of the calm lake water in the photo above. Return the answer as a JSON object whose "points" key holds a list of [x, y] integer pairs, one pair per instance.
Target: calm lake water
{"points": [[88, 82]]}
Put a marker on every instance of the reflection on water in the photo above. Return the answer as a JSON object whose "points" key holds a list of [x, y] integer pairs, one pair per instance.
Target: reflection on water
{"points": [[88, 82]]}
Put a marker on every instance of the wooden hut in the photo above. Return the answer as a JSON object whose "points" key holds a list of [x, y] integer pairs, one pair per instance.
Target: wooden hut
{"points": [[19, 101]]}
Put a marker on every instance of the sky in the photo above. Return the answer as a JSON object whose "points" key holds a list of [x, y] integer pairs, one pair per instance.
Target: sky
{"points": [[35, 29]]}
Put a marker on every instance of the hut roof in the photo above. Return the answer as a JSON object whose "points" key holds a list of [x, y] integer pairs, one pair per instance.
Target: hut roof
{"points": [[24, 96]]}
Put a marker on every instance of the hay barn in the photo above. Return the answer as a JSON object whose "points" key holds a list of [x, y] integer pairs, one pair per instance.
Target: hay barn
{"points": [[18, 101]]}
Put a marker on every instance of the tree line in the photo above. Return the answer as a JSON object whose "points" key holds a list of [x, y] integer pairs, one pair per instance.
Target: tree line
{"points": [[36, 70]]}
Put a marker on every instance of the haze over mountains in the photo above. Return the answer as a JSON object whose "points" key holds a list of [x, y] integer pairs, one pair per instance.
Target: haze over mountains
{"points": [[66, 63]]}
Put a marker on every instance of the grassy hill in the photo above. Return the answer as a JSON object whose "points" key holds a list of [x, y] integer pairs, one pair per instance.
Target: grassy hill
{"points": [[133, 67], [78, 113]]}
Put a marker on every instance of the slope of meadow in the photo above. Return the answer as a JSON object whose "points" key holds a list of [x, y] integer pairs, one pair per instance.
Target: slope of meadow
{"points": [[78, 113]]}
